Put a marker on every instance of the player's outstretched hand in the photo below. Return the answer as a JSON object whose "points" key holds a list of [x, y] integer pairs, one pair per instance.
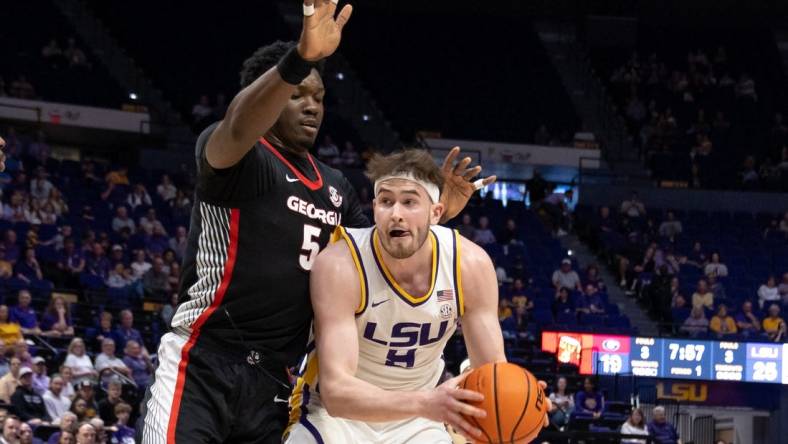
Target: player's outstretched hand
{"points": [[549, 404], [322, 29], [447, 403], [2, 154], [458, 184]]}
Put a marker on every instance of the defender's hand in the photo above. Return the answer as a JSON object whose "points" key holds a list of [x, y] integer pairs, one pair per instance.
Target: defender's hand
{"points": [[458, 186], [321, 32]]}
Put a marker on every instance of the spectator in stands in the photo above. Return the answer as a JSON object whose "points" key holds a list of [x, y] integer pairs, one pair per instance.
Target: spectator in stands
{"points": [[139, 363], [14, 211], [40, 186], [123, 433], [774, 325], [466, 228], [10, 331], [783, 289], [768, 292], [660, 429], [722, 323], [97, 265], [717, 287], [483, 235], [11, 247], [702, 297], [101, 433], [104, 331], [28, 404], [563, 404], [71, 263], [696, 324], [140, 266], [181, 207], [675, 292], [79, 362], [149, 221], [670, 227], [591, 302], [562, 302], [746, 322], [589, 401], [86, 434], [166, 189], [29, 270], [716, 266], [565, 276], [22, 351], [56, 321], [158, 242], [10, 381], [633, 207], [52, 53], [26, 435], [75, 56], [40, 378], [168, 310], [328, 151], [126, 332], [634, 425], [509, 234], [504, 309], [68, 425], [5, 364], [107, 364], [122, 219], [119, 176], [179, 243], [554, 205], [21, 88], [79, 407], [138, 197], [55, 400], [593, 277], [87, 393], [697, 257], [350, 156], [68, 381], [202, 112], [64, 437], [107, 405], [58, 203], [24, 315], [156, 280], [10, 430]]}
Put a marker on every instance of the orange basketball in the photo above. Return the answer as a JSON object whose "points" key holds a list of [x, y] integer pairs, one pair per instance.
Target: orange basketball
{"points": [[514, 402]]}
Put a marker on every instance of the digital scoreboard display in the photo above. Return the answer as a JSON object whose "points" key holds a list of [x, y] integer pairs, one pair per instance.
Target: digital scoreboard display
{"points": [[672, 358]]}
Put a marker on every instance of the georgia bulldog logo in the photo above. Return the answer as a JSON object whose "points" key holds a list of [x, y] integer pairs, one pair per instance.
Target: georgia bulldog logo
{"points": [[335, 197]]}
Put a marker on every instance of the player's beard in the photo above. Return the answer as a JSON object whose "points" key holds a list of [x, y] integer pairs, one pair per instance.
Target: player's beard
{"points": [[405, 247]]}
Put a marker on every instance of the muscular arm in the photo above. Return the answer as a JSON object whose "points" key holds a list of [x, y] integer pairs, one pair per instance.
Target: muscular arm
{"points": [[480, 325], [335, 297], [251, 114]]}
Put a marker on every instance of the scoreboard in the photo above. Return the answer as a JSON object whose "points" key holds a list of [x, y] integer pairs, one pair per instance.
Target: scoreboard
{"points": [[670, 357]]}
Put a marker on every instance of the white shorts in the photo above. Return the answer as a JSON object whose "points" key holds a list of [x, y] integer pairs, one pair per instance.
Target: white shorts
{"points": [[320, 428]]}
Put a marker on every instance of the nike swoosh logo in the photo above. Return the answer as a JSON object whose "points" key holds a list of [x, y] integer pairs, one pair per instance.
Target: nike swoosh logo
{"points": [[290, 179], [278, 399], [375, 304]]}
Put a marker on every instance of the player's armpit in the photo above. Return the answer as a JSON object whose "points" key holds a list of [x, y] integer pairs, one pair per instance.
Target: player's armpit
{"points": [[480, 326]]}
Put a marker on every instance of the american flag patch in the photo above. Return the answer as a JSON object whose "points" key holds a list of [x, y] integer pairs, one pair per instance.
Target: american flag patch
{"points": [[445, 295]]}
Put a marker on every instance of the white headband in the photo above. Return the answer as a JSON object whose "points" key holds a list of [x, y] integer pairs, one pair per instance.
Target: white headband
{"points": [[431, 188]]}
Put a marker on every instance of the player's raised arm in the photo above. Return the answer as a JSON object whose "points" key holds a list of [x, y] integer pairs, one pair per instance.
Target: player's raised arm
{"points": [[257, 107], [480, 326], [458, 183], [335, 293]]}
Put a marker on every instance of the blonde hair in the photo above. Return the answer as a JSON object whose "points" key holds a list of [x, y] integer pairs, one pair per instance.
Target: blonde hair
{"points": [[74, 342]]}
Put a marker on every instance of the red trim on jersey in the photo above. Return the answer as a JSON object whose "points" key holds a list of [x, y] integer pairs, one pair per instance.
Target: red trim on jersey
{"points": [[232, 250], [312, 185]]}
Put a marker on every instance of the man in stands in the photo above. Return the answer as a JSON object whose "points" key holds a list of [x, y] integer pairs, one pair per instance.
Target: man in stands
{"points": [[702, 297], [86, 433], [774, 325], [24, 315], [10, 430], [565, 277], [126, 331], [661, 430], [746, 321], [28, 404], [56, 402], [633, 207]]}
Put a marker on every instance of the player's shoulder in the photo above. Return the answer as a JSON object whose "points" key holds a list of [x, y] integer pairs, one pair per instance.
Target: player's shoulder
{"points": [[471, 254], [330, 174]]}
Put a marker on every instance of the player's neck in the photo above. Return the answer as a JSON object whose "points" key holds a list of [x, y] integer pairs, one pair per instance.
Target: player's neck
{"points": [[413, 273], [283, 147]]}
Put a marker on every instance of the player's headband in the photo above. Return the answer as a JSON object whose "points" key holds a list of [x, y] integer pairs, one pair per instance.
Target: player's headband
{"points": [[431, 188]]}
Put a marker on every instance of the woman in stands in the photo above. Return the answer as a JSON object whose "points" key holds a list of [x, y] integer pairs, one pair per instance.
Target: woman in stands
{"points": [[563, 404], [716, 266], [768, 292], [634, 425], [56, 321], [80, 362], [10, 332]]}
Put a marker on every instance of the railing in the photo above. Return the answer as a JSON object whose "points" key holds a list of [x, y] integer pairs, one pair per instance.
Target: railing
{"points": [[703, 429]]}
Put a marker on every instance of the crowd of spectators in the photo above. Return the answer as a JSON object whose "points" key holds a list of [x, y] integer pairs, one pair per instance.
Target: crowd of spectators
{"points": [[693, 120], [684, 282]]}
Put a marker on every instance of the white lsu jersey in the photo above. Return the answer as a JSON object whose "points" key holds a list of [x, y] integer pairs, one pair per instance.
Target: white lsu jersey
{"points": [[401, 337]]}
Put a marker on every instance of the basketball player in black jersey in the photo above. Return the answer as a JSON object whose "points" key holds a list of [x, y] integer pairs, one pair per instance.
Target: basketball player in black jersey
{"points": [[263, 210]]}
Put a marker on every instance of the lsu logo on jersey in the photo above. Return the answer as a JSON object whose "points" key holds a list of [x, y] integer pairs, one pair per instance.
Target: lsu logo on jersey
{"points": [[406, 337]]}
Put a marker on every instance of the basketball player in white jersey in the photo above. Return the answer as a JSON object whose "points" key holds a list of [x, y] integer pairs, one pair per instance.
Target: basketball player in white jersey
{"points": [[386, 301]]}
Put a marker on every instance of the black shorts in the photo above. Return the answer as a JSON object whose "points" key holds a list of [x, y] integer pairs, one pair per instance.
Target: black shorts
{"points": [[204, 396]]}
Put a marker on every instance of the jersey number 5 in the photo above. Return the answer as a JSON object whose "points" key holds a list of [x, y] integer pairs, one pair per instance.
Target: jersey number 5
{"points": [[309, 247]]}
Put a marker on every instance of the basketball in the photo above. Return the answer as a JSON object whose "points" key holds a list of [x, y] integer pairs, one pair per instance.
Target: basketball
{"points": [[514, 402]]}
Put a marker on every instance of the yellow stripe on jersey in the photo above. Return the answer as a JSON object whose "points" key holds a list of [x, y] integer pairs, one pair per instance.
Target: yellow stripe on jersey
{"points": [[397, 288], [458, 272], [297, 397], [338, 234]]}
